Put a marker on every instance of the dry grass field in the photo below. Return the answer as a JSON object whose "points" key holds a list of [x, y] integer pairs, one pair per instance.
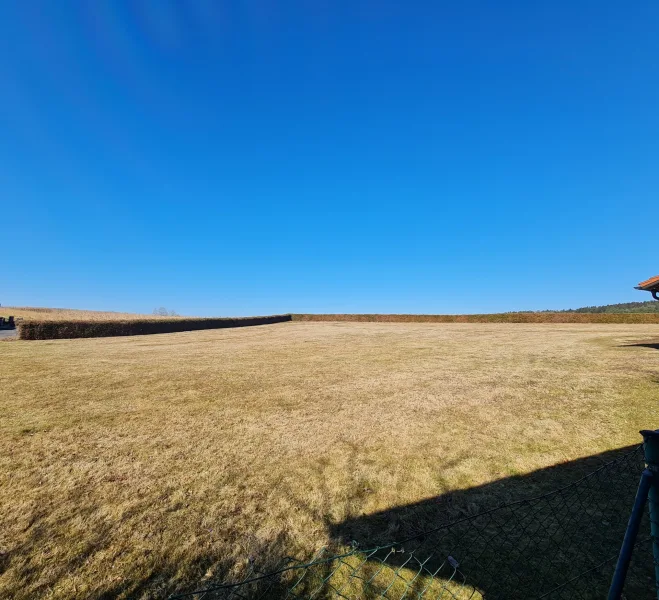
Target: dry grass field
{"points": [[68, 314], [137, 466]]}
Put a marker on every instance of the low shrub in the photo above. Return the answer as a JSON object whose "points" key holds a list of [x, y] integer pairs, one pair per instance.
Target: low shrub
{"points": [[52, 330]]}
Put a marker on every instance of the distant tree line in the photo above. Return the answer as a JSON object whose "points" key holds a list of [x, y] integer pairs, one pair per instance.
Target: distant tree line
{"points": [[650, 306]]}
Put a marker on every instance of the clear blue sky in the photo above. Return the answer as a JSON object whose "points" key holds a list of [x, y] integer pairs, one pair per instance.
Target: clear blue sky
{"points": [[235, 158]]}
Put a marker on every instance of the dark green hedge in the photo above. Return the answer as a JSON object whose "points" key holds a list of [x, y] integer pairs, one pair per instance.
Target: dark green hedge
{"points": [[53, 330]]}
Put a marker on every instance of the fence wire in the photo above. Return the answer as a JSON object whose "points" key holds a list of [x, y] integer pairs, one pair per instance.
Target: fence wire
{"points": [[559, 545]]}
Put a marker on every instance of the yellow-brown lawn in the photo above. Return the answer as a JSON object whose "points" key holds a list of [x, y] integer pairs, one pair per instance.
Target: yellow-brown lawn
{"points": [[138, 466]]}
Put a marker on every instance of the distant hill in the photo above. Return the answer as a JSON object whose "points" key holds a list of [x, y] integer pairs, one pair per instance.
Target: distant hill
{"points": [[651, 306]]}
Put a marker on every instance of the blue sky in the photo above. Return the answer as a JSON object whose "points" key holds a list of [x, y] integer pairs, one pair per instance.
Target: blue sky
{"points": [[236, 158]]}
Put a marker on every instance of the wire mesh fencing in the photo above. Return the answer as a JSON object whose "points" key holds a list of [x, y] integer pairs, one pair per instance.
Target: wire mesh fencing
{"points": [[558, 545]]}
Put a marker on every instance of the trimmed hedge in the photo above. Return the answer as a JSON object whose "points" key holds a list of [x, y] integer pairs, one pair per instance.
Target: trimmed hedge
{"points": [[540, 317], [53, 330]]}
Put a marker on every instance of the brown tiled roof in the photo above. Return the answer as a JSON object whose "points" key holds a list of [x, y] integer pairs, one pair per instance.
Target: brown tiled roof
{"points": [[649, 284]]}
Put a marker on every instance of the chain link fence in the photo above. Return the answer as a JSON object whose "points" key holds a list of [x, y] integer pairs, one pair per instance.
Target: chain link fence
{"points": [[559, 545]]}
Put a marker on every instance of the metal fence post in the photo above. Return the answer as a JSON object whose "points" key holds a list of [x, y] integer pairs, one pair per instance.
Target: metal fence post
{"points": [[651, 449], [628, 543]]}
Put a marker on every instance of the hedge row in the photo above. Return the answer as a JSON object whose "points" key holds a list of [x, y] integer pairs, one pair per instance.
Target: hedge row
{"points": [[540, 317], [52, 330]]}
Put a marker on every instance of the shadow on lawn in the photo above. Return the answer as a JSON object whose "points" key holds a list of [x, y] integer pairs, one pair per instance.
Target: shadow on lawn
{"points": [[483, 543], [479, 543], [653, 345], [552, 545]]}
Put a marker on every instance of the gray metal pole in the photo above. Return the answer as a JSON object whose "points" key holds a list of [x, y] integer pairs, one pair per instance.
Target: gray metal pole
{"points": [[620, 574], [651, 449]]}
